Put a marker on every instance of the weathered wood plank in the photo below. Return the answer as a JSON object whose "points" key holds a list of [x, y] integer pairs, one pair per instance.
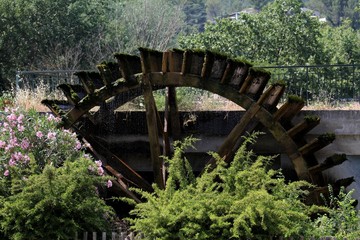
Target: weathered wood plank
{"points": [[317, 144], [128, 65], [329, 162], [304, 126], [152, 117], [230, 142], [109, 72], [270, 99], [235, 73], [73, 93], [176, 60], [151, 60], [111, 159], [255, 83]]}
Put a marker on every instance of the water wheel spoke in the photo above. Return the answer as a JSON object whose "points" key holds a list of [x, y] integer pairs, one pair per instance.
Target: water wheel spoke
{"points": [[227, 148], [121, 183], [174, 115], [111, 159], [150, 60]]}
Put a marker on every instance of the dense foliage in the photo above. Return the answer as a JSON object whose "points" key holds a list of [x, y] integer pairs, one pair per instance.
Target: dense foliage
{"points": [[243, 200], [48, 186], [281, 34]]}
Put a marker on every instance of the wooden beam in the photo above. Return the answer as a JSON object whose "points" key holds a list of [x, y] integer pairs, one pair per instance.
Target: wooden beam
{"points": [[152, 121], [111, 159]]}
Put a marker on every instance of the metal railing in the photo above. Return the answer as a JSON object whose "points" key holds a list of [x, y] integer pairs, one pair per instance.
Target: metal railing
{"points": [[49, 78], [330, 83], [324, 83]]}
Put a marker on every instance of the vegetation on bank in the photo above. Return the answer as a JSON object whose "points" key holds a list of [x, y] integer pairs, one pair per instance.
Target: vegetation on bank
{"points": [[77, 34], [49, 188], [245, 199], [46, 180]]}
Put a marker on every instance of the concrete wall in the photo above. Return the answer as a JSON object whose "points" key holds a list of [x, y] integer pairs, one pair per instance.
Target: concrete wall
{"points": [[212, 127], [346, 126]]}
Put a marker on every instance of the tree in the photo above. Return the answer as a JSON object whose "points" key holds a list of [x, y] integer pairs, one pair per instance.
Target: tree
{"points": [[153, 24], [31, 31], [280, 34], [341, 44], [337, 11], [195, 13]]}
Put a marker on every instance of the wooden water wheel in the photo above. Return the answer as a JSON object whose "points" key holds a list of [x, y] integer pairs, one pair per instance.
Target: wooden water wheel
{"points": [[232, 79]]}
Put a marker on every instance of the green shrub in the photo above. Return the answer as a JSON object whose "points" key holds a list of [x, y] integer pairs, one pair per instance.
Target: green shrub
{"points": [[342, 220], [56, 204], [244, 199]]}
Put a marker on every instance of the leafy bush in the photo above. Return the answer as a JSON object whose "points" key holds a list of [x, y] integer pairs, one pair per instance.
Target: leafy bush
{"points": [[48, 186], [342, 220], [242, 200], [56, 204]]}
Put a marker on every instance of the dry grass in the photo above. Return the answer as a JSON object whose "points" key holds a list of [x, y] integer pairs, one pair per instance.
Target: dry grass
{"points": [[31, 99]]}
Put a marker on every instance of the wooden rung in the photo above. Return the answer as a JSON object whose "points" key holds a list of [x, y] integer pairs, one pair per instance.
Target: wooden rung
{"points": [[109, 72], [304, 126], [317, 143], [344, 182], [214, 67], [128, 65], [235, 73], [272, 96], [175, 60], [288, 110], [151, 60], [193, 62], [86, 81], [255, 83], [58, 107], [73, 93], [208, 64], [329, 162]]}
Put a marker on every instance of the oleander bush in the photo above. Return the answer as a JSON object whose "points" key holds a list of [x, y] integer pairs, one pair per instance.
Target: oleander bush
{"points": [[48, 185]]}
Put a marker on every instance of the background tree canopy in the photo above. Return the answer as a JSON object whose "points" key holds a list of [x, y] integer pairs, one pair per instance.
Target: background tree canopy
{"points": [[74, 34]]}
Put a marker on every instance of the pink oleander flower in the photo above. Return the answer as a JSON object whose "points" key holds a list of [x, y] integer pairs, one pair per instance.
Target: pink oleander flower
{"points": [[17, 156], [12, 163], [12, 117], [51, 135], [6, 173], [26, 158], [13, 141], [77, 145], [25, 144], [2, 144], [100, 171], [109, 184], [20, 118], [20, 127], [8, 147], [98, 163], [39, 134], [50, 117]]}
